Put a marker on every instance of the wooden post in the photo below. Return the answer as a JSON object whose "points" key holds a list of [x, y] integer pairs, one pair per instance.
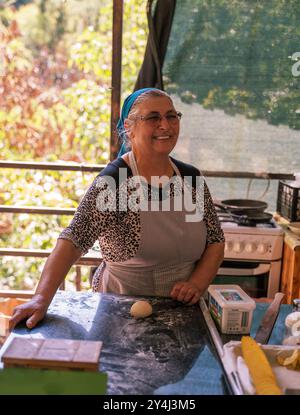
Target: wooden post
{"points": [[290, 272], [116, 75], [78, 278]]}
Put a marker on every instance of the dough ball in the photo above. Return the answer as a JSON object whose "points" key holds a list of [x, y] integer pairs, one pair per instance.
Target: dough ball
{"points": [[141, 309]]}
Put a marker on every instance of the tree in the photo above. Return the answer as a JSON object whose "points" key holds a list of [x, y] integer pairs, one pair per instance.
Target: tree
{"points": [[55, 104], [236, 55]]}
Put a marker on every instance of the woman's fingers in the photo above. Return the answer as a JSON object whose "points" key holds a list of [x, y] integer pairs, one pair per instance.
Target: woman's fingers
{"points": [[34, 310], [185, 292], [179, 292], [195, 298], [176, 290], [19, 314], [34, 319], [192, 296]]}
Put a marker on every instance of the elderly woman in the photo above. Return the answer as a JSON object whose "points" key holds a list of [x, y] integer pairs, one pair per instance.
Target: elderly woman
{"points": [[146, 251]]}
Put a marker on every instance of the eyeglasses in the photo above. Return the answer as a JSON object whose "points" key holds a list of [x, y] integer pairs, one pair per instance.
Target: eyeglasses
{"points": [[154, 120]]}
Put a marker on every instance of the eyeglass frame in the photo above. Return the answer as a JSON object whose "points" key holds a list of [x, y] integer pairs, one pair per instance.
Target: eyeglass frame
{"points": [[148, 117]]}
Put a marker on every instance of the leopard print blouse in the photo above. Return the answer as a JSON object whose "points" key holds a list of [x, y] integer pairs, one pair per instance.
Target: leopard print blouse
{"points": [[119, 232]]}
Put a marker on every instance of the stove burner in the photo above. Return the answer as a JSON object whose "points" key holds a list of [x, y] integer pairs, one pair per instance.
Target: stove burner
{"points": [[263, 221], [249, 224]]}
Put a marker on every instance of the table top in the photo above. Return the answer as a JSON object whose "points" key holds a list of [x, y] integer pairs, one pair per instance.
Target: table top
{"points": [[169, 352]]}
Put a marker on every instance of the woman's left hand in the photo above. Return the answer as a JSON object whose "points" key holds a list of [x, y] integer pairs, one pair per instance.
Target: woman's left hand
{"points": [[187, 292]]}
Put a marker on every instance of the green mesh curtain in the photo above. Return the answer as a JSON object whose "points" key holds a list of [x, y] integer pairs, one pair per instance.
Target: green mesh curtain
{"points": [[231, 68]]}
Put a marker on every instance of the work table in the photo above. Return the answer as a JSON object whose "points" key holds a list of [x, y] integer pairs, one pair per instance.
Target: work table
{"points": [[169, 352]]}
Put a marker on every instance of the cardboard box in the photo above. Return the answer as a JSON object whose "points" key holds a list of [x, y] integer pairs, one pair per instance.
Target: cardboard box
{"points": [[58, 354]]}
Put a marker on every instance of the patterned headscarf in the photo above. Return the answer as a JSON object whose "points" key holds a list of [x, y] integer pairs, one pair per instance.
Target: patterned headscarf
{"points": [[127, 105]]}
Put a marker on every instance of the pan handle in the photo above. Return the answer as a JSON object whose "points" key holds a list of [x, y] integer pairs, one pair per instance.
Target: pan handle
{"points": [[221, 206]]}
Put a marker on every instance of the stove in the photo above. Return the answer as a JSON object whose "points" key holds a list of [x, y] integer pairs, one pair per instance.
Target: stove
{"points": [[252, 257], [261, 242]]}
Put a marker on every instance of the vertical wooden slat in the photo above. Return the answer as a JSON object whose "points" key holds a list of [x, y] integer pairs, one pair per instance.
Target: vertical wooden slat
{"points": [[287, 272], [290, 273], [296, 274], [78, 278], [116, 75]]}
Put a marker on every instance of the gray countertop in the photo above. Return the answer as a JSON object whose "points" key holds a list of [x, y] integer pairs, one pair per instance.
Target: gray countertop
{"points": [[169, 352]]}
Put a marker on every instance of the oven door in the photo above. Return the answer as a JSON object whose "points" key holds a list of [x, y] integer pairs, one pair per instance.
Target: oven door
{"points": [[252, 277]]}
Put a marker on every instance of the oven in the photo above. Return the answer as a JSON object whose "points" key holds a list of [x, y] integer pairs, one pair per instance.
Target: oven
{"points": [[252, 259], [257, 279]]}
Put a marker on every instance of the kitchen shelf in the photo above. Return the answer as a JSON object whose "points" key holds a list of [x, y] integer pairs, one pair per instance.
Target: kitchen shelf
{"points": [[290, 271]]}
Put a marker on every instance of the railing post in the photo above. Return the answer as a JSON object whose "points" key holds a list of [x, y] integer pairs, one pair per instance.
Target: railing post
{"points": [[116, 75], [78, 278]]}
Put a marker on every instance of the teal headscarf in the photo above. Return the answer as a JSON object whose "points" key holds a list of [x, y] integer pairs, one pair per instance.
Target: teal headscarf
{"points": [[129, 101]]}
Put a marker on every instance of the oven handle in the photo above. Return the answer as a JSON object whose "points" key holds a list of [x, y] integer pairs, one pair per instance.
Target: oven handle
{"points": [[261, 269]]}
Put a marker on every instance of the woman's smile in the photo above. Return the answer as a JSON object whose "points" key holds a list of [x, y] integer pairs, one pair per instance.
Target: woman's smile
{"points": [[163, 137]]}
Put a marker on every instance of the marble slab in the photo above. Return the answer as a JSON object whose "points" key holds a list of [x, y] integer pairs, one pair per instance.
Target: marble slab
{"points": [[139, 355], [169, 352]]}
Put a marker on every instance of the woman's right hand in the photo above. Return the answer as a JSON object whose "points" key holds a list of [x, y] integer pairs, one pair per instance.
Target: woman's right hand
{"points": [[33, 310]]}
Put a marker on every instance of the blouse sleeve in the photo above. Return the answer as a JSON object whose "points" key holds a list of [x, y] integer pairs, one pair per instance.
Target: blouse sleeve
{"points": [[214, 230], [88, 221]]}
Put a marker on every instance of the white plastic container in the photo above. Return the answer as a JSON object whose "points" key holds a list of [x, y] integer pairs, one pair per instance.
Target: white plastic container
{"points": [[231, 308], [292, 329]]}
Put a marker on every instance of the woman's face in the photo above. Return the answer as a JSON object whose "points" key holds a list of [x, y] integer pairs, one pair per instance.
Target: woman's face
{"points": [[150, 135]]}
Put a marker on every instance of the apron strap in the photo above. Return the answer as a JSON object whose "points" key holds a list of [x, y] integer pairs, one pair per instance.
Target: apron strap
{"points": [[134, 168]]}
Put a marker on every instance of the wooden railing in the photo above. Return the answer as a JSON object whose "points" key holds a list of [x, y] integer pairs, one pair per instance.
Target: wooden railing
{"points": [[85, 167], [16, 293], [91, 258]]}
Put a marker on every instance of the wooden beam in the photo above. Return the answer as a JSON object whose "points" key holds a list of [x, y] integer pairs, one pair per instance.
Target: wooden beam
{"points": [[16, 293], [98, 167], [51, 166], [37, 210], [116, 75], [90, 259], [248, 175]]}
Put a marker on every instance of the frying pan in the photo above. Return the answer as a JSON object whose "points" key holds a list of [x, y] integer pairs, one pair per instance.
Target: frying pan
{"points": [[242, 206], [252, 218]]}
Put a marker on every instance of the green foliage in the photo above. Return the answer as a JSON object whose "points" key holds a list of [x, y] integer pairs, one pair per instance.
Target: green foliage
{"points": [[36, 188], [88, 110], [55, 105], [236, 55], [19, 273], [135, 32], [93, 49]]}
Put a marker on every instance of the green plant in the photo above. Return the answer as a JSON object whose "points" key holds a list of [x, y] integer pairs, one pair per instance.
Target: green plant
{"points": [[55, 105]]}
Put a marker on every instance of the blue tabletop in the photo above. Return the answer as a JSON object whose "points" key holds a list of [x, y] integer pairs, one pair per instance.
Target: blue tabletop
{"points": [[278, 330], [169, 352]]}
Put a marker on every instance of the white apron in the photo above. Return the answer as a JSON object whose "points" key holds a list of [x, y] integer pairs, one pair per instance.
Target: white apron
{"points": [[169, 248]]}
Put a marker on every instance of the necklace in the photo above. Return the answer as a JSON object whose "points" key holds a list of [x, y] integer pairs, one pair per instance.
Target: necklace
{"points": [[169, 173]]}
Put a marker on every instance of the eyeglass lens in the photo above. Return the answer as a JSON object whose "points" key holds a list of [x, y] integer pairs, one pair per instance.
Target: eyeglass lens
{"points": [[172, 118]]}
